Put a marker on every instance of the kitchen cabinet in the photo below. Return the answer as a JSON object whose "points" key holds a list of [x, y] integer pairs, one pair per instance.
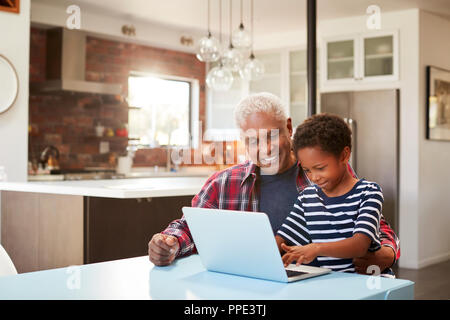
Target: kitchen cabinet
{"points": [[45, 231], [122, 228], [361, 58], [285, 76]]}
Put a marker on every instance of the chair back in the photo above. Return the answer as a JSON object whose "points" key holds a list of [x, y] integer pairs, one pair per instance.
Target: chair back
{"points": [[7, 267]]}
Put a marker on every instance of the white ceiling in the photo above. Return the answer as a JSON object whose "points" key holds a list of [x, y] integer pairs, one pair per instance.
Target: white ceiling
{"points": [[271, 16]]}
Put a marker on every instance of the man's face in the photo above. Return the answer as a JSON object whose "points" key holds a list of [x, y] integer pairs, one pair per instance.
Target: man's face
{"points": [[268, 142]]}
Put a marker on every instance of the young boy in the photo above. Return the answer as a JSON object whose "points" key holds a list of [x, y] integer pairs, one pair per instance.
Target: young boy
{"points": [[338, 217]]}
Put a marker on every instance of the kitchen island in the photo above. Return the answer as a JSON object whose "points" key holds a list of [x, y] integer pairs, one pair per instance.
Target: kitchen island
{"points": [[54, 224]]}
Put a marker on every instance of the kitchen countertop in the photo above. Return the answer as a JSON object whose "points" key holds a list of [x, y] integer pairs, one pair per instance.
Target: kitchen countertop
{"points": [[112, 188]]}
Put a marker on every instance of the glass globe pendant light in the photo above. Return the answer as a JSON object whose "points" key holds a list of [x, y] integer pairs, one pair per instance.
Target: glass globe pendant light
{"points": [[220, 78], [253, 68], [209, 48], [232, 58], [241, 38]]}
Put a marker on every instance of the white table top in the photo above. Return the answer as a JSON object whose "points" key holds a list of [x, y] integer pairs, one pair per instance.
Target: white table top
{"points": [[138, 278], [120, 188]]}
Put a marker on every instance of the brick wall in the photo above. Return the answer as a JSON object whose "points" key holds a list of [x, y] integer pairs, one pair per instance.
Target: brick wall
{"points": [[68, 120]]}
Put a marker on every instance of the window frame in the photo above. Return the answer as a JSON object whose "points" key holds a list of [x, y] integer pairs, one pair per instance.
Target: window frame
{"points": [[194, 98]]}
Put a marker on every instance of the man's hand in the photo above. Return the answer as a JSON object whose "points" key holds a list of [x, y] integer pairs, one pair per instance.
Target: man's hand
{"points": [[162, 249], [301, 254], [382, 258]]}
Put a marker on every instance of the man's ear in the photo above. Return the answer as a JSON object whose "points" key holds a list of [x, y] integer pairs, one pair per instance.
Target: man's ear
{"points": [[289, 126]]}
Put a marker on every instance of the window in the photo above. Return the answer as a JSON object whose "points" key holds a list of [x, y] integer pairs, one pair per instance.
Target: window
{"points": [[160, 110]]}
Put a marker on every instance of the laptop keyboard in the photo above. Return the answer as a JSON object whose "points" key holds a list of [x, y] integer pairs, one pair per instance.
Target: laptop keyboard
{"points": [[291, 273]]}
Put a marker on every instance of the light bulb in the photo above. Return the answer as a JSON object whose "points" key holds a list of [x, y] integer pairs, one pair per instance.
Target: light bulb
{"points": [[233, 59], [253, 69], [209, 49], [241, 38], [219, 78]]}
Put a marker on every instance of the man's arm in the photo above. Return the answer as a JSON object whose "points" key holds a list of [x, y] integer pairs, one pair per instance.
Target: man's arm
{"points": [[386, 256], [176, 240], [389, 238]]}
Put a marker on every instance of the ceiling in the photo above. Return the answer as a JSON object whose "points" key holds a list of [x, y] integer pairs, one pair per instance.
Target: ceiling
{"points": [[271, 16]]}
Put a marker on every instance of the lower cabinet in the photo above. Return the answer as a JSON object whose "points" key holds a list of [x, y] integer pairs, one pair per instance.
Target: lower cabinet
{"points": [[42, 231], [46, 231], [122, 228]]}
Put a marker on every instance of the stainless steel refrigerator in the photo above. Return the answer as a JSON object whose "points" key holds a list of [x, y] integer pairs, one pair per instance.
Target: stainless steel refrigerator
{"points": [[374, 119]]}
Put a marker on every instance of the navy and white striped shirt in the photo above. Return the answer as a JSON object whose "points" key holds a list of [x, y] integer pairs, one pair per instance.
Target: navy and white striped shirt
{"points": [[316, 218]]}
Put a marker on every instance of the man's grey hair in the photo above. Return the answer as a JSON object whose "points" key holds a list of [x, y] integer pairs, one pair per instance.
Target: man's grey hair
{"points": [[259, 102]]}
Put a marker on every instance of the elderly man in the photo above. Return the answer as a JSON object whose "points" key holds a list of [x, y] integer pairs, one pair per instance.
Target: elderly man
{"points": [[269, 182]]}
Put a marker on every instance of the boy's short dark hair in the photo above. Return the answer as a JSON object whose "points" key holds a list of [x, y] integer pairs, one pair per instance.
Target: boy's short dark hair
{"points": [[329, 132]]}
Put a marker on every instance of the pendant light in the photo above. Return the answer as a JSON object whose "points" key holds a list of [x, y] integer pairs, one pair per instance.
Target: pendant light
{"points": [[253, 68], [220, 78], [241, 38], [232, 58], [209, 48]]}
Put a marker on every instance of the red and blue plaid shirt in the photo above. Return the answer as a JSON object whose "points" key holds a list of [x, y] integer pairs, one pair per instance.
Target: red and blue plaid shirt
{"points": [[237, 188]]}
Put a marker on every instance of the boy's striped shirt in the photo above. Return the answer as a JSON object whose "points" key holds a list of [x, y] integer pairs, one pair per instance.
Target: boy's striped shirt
{"points": [[317, 218]]}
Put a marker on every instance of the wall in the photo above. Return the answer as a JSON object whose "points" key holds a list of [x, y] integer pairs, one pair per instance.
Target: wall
{"points": [[407, 22], [434, 171], [68, 120], [14, 44], [109, 26], [14, 32]]}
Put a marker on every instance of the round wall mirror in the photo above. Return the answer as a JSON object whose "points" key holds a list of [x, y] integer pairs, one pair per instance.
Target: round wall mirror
{"points": [[9, 84]]}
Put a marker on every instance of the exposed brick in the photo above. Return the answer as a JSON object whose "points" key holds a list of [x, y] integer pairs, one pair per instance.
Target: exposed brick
{"points": [[68, 121]]}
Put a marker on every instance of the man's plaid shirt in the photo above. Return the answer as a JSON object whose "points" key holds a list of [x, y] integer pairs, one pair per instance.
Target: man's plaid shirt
{"points": [[237, 188]]}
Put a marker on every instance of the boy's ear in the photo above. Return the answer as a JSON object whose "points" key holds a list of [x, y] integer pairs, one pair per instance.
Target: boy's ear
{"points": [[345, 154]]}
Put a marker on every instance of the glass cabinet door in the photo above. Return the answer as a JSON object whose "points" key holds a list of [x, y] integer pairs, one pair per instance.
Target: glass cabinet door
{"points": [[340, 59], [379, 56], [297, 86], [271, 80]]}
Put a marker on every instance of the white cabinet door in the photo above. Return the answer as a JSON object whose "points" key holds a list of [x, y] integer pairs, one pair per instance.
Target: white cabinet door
{"points": [[362, 58], [379, 52], [220, 124], [339, 61]]}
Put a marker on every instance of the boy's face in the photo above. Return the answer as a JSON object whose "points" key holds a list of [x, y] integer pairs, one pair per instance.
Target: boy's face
{"points": [[323, 168]]}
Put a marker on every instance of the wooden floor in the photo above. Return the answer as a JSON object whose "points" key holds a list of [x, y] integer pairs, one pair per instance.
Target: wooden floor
{"points": [[432, 282]]}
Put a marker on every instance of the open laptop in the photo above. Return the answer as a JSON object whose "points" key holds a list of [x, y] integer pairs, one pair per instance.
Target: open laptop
{"points": [[241, 243]]}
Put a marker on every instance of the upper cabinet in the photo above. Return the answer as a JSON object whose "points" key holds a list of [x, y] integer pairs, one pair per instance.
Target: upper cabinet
{"points": [[286, 77], [361, 58]]}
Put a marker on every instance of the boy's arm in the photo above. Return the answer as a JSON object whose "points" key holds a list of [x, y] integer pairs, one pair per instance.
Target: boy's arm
{"points": [[355, 246], [279, 241]]}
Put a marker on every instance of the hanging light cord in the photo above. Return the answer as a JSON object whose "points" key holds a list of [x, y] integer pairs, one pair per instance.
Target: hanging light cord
{"points": [[242, 12], [231, 21], [220, 21], [252, 34], [209, 30]]}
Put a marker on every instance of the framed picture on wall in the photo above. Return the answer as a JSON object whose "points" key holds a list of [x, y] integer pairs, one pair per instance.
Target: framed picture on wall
{"points": [[10, 6], [438, 103]]}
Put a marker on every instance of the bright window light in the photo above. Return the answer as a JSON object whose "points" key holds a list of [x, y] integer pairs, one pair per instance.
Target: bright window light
{"points": [[160, 108]]}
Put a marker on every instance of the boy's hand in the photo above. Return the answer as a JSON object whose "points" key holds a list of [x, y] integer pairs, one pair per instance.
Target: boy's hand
{"points": [[302, 254]]}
